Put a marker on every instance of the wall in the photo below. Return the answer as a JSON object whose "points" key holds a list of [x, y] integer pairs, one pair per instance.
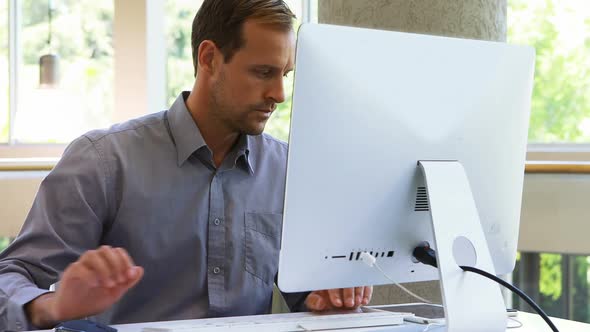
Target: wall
{"points": [[17, 191]]}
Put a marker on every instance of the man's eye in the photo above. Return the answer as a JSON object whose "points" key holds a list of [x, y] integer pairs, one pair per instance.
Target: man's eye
{"points": [[264, 73]]}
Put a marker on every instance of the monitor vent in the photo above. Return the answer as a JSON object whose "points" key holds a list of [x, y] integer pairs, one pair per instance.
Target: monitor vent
{"points": [[421, 200]]}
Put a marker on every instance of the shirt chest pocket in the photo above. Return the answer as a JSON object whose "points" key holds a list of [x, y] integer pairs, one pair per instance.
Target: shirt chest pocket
{"points": [[262, 235]]}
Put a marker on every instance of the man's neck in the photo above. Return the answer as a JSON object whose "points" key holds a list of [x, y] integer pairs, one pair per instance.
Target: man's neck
{"points": [[217, 136]]}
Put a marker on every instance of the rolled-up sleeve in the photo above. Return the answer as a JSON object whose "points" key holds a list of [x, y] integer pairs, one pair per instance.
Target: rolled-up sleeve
{"points": [[68, 217]]}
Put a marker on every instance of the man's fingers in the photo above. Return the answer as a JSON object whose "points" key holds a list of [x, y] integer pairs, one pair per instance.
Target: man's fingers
{"points": [[80, 273], [315, 302], [368, 293], [138, 274], [115, 262], [348, 296], [340, 297], [129, 272], [359, 294], [93, 261], [113, 266], [335, 297]]}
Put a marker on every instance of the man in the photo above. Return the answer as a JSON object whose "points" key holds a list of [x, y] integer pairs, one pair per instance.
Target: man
{"points": [[174, 215]]}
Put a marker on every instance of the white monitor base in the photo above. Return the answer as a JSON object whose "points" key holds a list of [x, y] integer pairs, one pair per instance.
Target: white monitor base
{"points": [[469, 299]]}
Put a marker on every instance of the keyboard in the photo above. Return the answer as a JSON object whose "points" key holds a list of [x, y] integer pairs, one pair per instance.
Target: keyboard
{"points": [[283, 322]]}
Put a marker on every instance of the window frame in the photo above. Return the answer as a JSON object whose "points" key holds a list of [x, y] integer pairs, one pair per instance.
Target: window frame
{"points": [[12, 148], [548, 152], [558, 152], [14, 18]]}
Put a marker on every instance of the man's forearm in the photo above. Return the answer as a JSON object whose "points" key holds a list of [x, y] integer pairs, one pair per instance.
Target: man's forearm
{"points": [[40, 311]]}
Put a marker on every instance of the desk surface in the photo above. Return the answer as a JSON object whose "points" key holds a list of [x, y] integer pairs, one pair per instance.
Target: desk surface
{"points": [[530, 323]]}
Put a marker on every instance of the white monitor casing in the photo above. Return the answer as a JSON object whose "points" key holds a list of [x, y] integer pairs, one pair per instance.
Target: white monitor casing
{"points": [[367, 106]]}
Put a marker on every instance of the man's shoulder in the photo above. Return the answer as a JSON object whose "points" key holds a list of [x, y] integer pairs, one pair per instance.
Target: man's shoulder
{"points": [[139, 127]]}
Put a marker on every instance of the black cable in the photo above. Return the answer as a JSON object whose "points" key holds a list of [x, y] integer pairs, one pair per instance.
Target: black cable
{"points": [[426, 255], [515, 290]]}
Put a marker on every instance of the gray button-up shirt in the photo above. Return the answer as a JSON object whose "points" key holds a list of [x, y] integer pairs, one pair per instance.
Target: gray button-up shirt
{"points": [[208, 238]]}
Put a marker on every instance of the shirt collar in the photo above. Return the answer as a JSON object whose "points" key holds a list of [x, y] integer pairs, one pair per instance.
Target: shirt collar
{"points": [[188, 139], [243, 153]]}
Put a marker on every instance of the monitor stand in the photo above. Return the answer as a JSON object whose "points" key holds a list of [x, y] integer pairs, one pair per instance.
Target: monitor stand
{"points": [[471, 302]]}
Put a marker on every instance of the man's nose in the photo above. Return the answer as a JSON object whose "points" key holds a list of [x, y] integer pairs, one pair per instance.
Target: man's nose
{"points": [[277, 91]]}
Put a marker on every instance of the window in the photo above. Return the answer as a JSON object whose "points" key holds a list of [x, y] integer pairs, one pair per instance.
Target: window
{"points": [[560, 284], [4, 242], [4, 73], [560, 113], [179, 66], [560, 33], [179, 18], [80, 33]]}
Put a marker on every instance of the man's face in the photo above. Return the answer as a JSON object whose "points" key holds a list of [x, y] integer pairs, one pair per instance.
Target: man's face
{"points": [[246, 90]]}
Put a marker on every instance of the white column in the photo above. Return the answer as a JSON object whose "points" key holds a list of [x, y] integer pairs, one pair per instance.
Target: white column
{"points": [[140, 58], [482, 19]]}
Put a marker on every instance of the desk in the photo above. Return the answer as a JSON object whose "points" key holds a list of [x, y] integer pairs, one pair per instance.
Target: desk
{"points": [[531, 323]]}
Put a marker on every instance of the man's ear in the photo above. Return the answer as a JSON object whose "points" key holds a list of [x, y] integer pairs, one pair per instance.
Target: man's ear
{"points": [[206, 57]]}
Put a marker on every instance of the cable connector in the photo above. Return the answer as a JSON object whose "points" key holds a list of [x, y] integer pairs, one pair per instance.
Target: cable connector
{"points": [[368, 258], [372, 262], [425, 255]]}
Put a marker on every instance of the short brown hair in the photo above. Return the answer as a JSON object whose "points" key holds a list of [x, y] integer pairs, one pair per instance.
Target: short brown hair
{"points": [[221, 21]]}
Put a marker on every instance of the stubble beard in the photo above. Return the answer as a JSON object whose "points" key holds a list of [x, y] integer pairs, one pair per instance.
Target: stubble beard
{"points": [[232, 118]]}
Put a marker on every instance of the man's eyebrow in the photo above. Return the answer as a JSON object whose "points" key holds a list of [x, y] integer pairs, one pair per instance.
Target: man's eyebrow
{"points": [[271, 67], [262, 66]]}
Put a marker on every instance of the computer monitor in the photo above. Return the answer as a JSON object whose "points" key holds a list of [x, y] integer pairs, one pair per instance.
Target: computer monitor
{"points": [[367, 106]]}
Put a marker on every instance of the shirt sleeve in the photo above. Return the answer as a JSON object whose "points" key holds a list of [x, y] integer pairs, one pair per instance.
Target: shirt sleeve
{"points": [[295, 301], [66, 219]]}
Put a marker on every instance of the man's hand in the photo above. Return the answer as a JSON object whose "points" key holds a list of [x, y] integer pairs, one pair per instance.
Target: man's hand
{"points": [[340, 298], [92, 284]]}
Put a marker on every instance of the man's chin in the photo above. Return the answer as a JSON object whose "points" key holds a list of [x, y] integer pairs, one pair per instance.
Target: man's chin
{"points": [[253, 131], [253, 128]]}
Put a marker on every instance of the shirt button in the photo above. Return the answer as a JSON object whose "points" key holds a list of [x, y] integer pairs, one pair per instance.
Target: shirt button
{"points": [[216, 270], [217, 222]]}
